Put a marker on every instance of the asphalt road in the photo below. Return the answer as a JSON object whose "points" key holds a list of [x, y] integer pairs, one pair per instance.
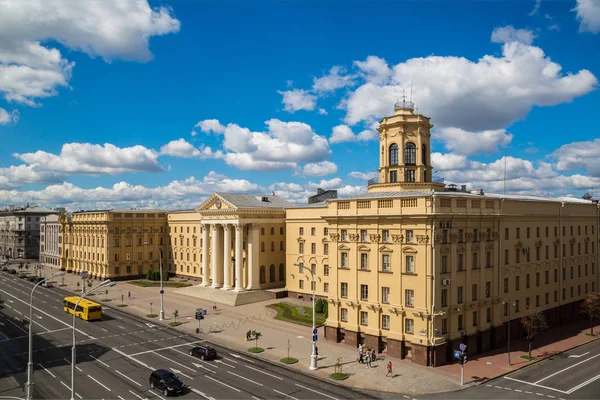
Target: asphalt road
{"points": [[571, 375], [115, 357]]}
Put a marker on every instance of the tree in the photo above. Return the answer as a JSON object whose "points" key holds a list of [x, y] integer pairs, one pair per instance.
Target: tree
{"points": [[591, 306], [176, 314], [587, 196], [257, 336], [533, 323], [150, 274]]}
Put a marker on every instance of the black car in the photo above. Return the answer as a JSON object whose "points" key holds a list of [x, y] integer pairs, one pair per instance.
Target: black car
{"points": [[5, 268], [32, 278], [204, 352], [165, 381], [22, 275], [13, 271]]}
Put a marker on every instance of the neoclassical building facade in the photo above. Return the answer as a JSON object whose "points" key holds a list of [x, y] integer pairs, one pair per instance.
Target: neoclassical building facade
{"points": [[50, 238]]}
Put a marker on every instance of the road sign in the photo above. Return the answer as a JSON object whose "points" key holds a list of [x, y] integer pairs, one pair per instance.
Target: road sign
{"points": [[162, 291], [315, 331], [84, 274], [204, 312], [315, 337], [462, 347], [457, 353]]}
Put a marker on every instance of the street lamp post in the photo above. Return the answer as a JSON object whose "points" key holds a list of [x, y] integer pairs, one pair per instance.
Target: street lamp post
{"points": [[313, 356], [514, 303], [30, 362], [107, 282], [162, 292]]}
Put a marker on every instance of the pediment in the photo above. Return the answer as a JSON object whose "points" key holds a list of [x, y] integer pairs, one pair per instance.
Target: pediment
{"points": [[385, 249], [213, 201], [409, 250], [343, 247], [364, 248]]}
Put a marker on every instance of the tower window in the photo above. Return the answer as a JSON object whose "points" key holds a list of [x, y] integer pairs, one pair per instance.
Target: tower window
{"points": [[410, 175], [393, 176], [394, 154], [410, 154], [424, 154]]}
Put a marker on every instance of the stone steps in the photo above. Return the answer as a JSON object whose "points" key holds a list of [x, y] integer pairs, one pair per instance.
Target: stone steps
{"points": [[227, 297]]}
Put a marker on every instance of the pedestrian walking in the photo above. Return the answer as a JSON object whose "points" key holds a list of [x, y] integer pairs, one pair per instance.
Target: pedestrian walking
{"points": [[360, 354], [368, 358], [389, 370], [373, 355], [214, 306], [129, 295]]}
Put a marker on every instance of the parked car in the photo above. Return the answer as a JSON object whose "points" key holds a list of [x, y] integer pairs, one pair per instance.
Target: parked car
{"points": [[13, 271], [5, 268], [47, 284], [22, 275], [204, 352], [32, 278], [165, 381]]}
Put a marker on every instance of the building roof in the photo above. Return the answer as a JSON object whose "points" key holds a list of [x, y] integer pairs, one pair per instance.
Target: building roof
{"points": [[144, 211], [241, 200]]}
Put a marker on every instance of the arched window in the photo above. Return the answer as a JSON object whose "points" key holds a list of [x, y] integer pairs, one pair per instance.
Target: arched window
{"points": [[272, 273], [281, 245], [281, 272], [262, 231], [424, 154], [394, 154], [262, 247], [410, 154], [272, 246], [281, 231], [272, 231], [263, 274]]}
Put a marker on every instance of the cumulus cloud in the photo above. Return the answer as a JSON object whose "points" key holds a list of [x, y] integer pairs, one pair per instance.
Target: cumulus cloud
{"points": [[322, 168], [112, 30], [468, 143], [365, 176], [335, 79], [506, 34], [448, 162], [374, 69], [86, 158], [588, 15], [488, 94], [9, 117], [579, 156], [298, 99], [18, 175], [209, 125], [343, 133], [184, 149]]}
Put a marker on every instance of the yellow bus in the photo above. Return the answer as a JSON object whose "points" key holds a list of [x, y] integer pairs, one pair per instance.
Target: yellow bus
{"points": [[86, 309]]}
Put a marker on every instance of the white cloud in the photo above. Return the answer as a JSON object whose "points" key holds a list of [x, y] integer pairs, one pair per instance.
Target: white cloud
{"points": [[374, 69], [209, 125], [468, 143], [298, 99], [281, 146], [184, 149], [335, 79], [290, 187], [322, 168], [18, 175], [86, 158], [448, 161], [343, 133], [333, 183], [588, 15], [111, 30], [507, 34], [579, 156], [322, 111], [490, 93], [365, 176], [9, 117], [349, 190], [536, 8]]}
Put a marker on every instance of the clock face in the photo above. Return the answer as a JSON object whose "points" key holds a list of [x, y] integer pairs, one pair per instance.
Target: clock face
{"points": [[218, 203]]}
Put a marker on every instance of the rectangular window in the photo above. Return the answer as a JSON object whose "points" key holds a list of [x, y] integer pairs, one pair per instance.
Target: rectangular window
{"points": [[344, 314], [460, 266], [527, 281], [301, 247], [444, 264], [475, 263], [488, 315], [488, 289], [474, 318], [364, 292], [344, 259], [385, 236], [488, 259], [460, 322], [516, 306], [325, 231], [363, 235], [444, 297], [385, 295], [326, 287], [518, 256], [409, 298], [364, 261], [364, 318], [528, 232], [313, 231], [460, 295], [505, 233], [344, 290], [409, 325], [461, 236], [410, 264], [344, 235], [325, 248], [385, 263], [474, 292], [313, 248], [326, 270], [385, 322], [301, 231], [410, 236], [537, 300], [518, 233], [547, 298], [505, 285], [476, 235], [444, 237], [505, 256], [517, 283], [301, 283], [444, 326]]}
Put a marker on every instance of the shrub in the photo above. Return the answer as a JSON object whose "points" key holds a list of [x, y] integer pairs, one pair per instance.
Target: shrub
{"points": [[319, 306], [150, 275], [325, 308]]}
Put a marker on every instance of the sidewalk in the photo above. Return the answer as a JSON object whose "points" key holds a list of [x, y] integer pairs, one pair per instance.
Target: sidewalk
{"points": [[229, 324]]}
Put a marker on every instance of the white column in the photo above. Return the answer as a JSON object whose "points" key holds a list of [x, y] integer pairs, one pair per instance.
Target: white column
{"points": [[205, 247], [226, 257], [239, 279], [214, 253], [252, 254]]}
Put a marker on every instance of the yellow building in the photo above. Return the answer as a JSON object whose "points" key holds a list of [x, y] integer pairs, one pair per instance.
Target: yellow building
{"points": [[111, 244], [415, 269]]}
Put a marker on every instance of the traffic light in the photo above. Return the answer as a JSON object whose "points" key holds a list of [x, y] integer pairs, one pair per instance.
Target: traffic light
{"points": [[463, 358], [199, 315]]}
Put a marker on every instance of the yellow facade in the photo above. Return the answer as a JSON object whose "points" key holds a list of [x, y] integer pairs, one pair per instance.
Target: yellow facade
{"points": [[184, 255]]}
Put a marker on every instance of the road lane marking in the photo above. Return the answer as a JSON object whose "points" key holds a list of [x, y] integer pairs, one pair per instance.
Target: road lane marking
{"points": [[241, 358], [69, 362], [9, 320], [286, 395], [54, 376], [122, 327], [159, 396], [136, 395], [126, 377], [263, 372], [224, 384], [221, 362], [595, 378], [539, 394], [103, 329], [519, 391], [243, 377], [579, 355], [165, 348], [101, 384], [201, 366], [312, 390], [178, 363], [200, 393], [565, 369], [256, 398], [230, 360], [101, 362], [181, 373], [120, 397], [534, 384], [133, 359]]}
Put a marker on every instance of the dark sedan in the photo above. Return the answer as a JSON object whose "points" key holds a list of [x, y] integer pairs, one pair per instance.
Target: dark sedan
{"points": [[204, 352]]}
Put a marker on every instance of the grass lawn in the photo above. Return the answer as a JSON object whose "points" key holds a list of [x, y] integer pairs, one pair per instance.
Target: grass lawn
{"points": [[289, 360], [121, 305], [256, 350], [287, 312], [151, 315], [339, 376], [157, 283], [526, 357], [175, 323]]}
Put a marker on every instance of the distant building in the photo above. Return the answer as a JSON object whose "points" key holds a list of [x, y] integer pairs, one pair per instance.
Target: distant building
{"points": [[20, 231], [322, 195], [50, 240]]}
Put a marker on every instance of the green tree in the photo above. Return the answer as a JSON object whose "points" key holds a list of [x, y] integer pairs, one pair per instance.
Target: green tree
{"points": [[175, 314], [591, 306], [257, 336], [150, 275], [533, 323], [587, 196]]}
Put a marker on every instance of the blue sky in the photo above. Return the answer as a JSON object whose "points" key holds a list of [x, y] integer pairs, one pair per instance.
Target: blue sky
{"points": [[137, 104]]}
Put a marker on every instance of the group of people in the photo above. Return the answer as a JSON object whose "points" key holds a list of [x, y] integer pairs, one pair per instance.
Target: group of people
{"points": [[366, 356]]}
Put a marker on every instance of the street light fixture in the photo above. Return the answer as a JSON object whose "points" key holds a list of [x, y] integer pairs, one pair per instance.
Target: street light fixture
{"points": [[313, 356], [107, 282], [162, 292], [30, 362], [514, 304]]}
